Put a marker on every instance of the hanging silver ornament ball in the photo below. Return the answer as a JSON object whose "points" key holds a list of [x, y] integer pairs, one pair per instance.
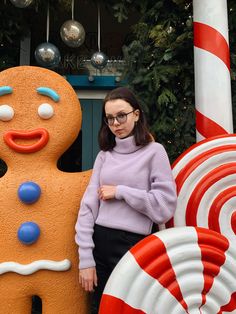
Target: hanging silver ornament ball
{"points": [[72, 33], [47, 55], [99, 60], [21, 3]]}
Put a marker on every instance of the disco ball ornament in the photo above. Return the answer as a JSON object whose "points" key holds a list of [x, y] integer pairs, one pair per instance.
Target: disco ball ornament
{"points": [[47, 55], [21, 3], [99, 60], [72, 33]]}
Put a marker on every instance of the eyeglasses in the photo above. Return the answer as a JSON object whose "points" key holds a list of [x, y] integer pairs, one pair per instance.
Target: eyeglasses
{"points": [[120, 118]]}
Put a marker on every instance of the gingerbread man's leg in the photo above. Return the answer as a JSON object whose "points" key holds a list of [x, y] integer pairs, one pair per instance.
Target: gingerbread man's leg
{"points": [[16, 305], [15, 296], [64, 296], [67, 304]]}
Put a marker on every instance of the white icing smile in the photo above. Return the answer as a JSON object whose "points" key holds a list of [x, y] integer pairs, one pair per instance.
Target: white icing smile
{"points": [[28, 269]]}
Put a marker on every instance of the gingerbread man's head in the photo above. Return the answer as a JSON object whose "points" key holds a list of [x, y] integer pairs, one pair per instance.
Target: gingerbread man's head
{"points": [[40, 113]]}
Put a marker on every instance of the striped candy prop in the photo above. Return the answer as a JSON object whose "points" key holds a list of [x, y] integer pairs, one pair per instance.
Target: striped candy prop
{"points": [[212, 69], [206, 186], [174, 271]]}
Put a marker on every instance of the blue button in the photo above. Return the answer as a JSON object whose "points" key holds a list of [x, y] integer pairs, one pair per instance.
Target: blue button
{"points": [[29, 192], [28, 232]]}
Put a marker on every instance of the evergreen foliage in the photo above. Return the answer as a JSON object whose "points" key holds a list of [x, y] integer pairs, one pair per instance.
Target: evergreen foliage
{"points": [[160, 70]]}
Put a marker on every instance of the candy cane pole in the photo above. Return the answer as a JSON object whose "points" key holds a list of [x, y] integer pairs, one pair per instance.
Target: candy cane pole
{"points": [[212, 69]]}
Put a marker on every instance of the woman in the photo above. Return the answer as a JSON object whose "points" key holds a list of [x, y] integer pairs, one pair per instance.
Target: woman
{"points": [[131, 188]]}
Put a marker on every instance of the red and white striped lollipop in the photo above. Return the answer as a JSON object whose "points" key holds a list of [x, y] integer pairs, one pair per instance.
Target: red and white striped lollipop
{"points": [[205, 175], [174, 271], [212, 69]]}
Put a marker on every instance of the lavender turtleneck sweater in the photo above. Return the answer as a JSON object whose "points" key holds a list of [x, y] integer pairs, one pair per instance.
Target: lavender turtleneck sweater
{"points": [[145, 193]]}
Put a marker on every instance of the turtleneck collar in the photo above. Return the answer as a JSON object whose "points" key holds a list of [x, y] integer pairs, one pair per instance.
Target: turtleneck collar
{"points": [[126, 145]]}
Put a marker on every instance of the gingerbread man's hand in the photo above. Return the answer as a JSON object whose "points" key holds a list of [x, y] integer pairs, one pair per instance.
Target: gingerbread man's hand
{"points": [[106, 192]]}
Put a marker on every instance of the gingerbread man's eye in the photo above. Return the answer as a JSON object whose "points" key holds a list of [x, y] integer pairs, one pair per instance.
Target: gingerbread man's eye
{"points": [[45, 111], [6, 113]]}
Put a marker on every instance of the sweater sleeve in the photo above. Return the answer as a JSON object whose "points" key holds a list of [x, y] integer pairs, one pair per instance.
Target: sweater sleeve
{"points": [[86, 218], [159, 203]]}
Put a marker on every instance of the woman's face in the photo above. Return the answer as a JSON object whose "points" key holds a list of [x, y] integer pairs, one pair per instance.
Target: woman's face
{"points": [[123, 124]]}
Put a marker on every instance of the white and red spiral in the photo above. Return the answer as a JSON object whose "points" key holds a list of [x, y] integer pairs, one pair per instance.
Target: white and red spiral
{"points": [[174, 271], [205, 176], [212, 69]]}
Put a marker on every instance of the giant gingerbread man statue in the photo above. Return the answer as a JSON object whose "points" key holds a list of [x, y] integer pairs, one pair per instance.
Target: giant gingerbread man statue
{"points": [[40, 117]]}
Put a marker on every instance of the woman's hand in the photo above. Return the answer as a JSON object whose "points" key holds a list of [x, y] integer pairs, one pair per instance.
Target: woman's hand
{"points": [[106, 192], [88, 278]]}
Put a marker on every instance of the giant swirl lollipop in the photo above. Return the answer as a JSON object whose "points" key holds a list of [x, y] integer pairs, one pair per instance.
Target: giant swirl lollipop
{"points": [[206, 185], [175, 271]]}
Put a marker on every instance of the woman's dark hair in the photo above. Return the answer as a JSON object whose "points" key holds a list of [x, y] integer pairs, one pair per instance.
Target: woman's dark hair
{"points": [[141, 133]]}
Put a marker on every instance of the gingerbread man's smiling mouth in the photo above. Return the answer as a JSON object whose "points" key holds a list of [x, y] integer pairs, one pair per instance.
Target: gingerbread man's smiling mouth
{"points": [[39, 137]]}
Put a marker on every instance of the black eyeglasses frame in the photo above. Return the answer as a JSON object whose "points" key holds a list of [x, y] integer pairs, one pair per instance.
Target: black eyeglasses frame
{"points": [[123, 114]]}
